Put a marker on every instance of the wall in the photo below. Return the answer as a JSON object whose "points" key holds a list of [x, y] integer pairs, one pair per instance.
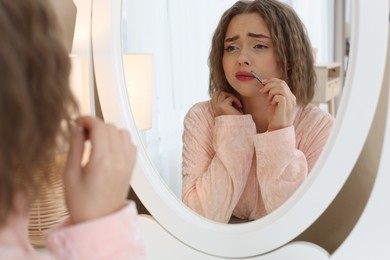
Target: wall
{"points": [[66, 13]]}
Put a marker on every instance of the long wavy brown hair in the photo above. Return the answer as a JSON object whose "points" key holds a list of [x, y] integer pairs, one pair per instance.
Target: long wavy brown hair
{"points": [[289, 36], [34, 95]]}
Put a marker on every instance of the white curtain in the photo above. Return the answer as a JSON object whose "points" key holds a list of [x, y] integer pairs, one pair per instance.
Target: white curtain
{"points": [[178, 35], [318, 17]]}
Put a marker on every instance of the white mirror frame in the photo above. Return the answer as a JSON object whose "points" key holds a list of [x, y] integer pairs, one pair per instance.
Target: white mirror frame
{"points": [[82, 47], [355, 115]]}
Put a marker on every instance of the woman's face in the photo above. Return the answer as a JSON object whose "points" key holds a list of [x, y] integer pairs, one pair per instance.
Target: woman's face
{"points": [[248, 47]]}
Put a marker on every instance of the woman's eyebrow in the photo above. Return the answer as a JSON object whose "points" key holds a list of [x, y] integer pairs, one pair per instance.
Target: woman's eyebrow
{"points": [[232, 39], [255, 35]]}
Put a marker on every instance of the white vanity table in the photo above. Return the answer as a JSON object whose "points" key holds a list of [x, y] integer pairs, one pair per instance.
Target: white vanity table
{"points": [[328, 85], [175, 232]]}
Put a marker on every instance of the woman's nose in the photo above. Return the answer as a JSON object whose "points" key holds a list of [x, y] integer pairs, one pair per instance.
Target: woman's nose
{"points": [[243, 58]]}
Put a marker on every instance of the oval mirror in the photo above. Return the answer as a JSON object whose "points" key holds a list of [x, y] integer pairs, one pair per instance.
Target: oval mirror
{"points": [[310, 201], [178, 84]]}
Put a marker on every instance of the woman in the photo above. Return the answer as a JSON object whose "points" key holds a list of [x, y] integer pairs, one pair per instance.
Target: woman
{"points": [[35, 101], [249, 148]]}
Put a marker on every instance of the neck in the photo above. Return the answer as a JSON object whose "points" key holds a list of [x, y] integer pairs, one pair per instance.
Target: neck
{"points": [[257, 107], [14, 233]]}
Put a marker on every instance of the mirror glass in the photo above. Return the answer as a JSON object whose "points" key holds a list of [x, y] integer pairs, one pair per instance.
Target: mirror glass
{"points": [[172, 39], [179, 41]]}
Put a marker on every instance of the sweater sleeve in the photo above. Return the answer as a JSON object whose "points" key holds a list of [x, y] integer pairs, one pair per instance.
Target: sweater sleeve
{"points": [[281, 168], [115, 236], [285, 157], [216, 161]]}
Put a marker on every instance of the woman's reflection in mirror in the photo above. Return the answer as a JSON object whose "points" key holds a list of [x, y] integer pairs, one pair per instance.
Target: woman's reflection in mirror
{"points": [[248, 149]]}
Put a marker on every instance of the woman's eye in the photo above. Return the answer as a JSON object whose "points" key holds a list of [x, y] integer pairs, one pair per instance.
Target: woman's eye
{"points": [[230, 48], [260, 46]]}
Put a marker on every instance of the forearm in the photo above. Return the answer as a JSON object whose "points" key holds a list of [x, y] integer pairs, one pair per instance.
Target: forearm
{"points": [[115, 236], [281, 168], [216, 192], [213, 183]]}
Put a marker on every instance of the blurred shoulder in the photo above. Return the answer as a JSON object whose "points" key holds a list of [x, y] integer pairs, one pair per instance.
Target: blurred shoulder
{"points": [[312, 113], [202, 109], [312, 118]]}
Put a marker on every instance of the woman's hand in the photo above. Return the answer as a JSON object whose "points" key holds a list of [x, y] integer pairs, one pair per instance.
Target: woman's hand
{"points": [[224, 103], [100, 187], [281, 104]]}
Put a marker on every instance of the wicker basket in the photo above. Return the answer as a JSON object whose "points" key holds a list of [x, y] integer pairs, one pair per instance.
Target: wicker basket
{"points": [[49, 208]]}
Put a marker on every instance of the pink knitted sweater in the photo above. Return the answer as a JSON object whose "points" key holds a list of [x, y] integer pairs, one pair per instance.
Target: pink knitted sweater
{"points": [[115, 236], [230, 170]]}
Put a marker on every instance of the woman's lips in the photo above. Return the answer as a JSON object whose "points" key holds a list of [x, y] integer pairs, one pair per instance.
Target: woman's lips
{"points": [[244, 76]]}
